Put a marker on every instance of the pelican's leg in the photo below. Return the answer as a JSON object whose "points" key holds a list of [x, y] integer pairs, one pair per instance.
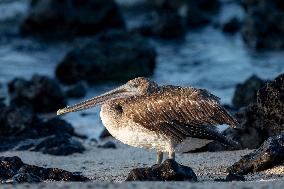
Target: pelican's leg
{"points": [[159, 157], [172, 155]]}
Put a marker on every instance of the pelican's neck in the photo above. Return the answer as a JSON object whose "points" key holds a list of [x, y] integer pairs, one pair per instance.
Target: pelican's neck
{"points": [[110, 116]]}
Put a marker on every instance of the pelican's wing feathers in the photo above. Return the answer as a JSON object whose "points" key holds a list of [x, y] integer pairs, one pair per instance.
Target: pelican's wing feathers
{"points": [[180, 112]]}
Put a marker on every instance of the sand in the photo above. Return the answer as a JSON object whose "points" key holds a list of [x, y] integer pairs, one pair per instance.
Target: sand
{"points": [[108, 168]]}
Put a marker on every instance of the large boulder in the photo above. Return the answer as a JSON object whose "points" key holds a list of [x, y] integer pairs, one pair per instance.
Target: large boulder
{"points": [[67, 18], [269, 108], [113, 56], [26, 178], [266, 116], [22, 130], [104, 134], [245, 93], [262, 119], [200, 12], [14, 170], [2, 95], [2, 104], [232, 26], [271, 100], [40, 94], [16, 122], [270, 154], [60, 145], [169, 170], [264, 24]]}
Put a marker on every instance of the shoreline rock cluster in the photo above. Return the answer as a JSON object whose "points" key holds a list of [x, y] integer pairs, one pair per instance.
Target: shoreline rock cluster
{"points": [[270, 154], [260, 117], [245, 93], [69, 18], [13, 170], [115, 55], [265, 115], [40, 94], [169, 170], [23, 130]]}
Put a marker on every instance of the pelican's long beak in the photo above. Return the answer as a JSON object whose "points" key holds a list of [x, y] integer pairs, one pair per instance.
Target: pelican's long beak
{"points": [[113, 94]]}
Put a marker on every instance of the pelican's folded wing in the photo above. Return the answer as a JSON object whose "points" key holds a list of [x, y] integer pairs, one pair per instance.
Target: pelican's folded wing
{"points": [[180, 112]]}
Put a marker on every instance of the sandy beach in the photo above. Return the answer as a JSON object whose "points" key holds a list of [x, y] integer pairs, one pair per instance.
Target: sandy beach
{"points": [[55, 54], [108, 168]]}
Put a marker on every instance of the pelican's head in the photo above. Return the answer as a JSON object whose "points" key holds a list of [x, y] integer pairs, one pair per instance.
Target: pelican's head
{"points": [[135, 87]]}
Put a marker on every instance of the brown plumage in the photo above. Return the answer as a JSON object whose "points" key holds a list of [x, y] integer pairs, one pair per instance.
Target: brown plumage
{"points": [[143, 114], [181, 112]]}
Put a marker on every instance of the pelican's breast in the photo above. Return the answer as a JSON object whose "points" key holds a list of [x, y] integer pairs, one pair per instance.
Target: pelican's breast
{"points": [[129, 132]]}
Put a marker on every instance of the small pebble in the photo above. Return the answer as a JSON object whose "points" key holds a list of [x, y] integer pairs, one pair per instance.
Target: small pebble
{"points": [[108, 144]]}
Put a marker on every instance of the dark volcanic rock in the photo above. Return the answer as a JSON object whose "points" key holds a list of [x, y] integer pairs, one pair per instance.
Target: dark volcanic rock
{"points": [[264, 118], [2, 96], [234, 177], [23, 124], [113, 56], [62, 145], [41, 94], [165, 24], [67, 18], [14, 168], [169, 170], [245, 93], [26, 178], [9, 166], [200, 12], [108, 144], [104, 134], [54, 174], [77, 90], [264, 24], [231, 177], [2, 104], [259, 120], [271, 100], [271, 153], [56, 126], [267, 114], [17, 122], [22, 130], [232, 26]]}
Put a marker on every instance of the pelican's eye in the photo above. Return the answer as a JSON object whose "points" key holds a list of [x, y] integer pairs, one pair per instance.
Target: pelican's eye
{"points": [[135, 85], [118, 108]]}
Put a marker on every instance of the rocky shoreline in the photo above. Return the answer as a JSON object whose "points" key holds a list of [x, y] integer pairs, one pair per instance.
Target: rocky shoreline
{"points": [[99, 165], [104, 49], [269, 155]]}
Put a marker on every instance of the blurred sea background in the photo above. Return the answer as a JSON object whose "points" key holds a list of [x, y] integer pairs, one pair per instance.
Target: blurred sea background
{"points": [[206, 58]]}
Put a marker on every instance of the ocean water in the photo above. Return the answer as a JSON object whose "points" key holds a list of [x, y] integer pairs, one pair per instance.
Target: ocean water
{"points": [[205, 58]]}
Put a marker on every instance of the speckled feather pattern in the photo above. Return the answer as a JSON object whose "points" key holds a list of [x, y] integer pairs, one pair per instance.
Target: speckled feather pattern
{"points": [[165, 117]]}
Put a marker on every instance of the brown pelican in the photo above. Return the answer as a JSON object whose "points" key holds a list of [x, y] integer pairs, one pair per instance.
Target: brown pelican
{"points": [[165, 118]]}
